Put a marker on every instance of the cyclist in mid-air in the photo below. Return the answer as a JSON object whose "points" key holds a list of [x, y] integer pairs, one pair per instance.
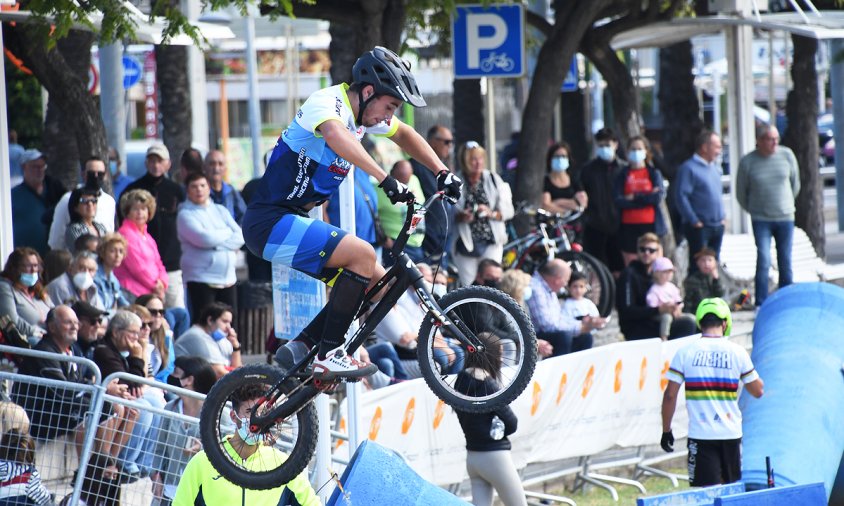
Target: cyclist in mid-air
{"points": [[312, 157]]}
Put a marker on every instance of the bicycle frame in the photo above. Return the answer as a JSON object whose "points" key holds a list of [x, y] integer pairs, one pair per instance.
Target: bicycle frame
{"points": [[398, 278]]}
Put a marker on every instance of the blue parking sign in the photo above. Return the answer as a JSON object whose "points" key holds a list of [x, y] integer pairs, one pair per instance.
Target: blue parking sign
{"points": [[488, 41]]}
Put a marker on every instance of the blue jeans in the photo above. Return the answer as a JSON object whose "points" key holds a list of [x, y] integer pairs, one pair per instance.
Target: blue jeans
{"points": [[783, 233], [699, 238], [565, 342], [178, 319], [385, 357]]}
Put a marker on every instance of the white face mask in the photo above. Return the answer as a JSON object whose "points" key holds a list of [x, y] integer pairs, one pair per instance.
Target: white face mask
{"points": [[243, 431], [438, 290], [83, 280]]}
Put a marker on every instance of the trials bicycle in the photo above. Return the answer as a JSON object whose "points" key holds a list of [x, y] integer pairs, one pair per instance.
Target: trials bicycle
{"points": [[286, 417], [550, 239]]}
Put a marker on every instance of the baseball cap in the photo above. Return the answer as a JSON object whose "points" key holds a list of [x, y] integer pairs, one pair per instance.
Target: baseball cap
{"points": [[30, 155], [663, 264], [86, 310], [159, 150]]}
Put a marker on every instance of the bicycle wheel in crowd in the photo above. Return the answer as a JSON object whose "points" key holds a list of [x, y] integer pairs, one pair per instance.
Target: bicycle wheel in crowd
{"points": [[600, 280], [499, 320], [294, 438]]}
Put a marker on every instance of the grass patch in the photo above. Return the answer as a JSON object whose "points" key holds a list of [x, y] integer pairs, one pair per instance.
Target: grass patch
{"points": [[627, 495]]}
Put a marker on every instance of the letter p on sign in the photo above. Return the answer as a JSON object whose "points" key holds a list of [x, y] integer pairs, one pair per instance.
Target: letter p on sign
{"points": [[488, 41]]}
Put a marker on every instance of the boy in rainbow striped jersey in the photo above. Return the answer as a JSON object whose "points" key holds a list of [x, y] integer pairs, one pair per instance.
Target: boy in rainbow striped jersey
{"points": [[711, 367]]}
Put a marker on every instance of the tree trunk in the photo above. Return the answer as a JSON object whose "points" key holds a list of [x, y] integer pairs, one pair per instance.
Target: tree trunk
{"points": [[801, 136], [468, 114], [678, 105], [78, 132], [623, 91], [171, 63], [560, 45], [379, 23]]}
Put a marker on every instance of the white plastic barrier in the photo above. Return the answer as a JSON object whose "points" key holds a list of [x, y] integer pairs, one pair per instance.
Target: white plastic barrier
{"points": [[576, 405]]}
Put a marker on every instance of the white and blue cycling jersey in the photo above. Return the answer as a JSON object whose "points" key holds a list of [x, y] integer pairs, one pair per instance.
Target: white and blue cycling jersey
{"points": [[303, 170]]}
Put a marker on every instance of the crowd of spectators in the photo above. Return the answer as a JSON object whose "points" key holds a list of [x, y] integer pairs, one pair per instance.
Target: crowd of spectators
{"points": [[142, 279]]}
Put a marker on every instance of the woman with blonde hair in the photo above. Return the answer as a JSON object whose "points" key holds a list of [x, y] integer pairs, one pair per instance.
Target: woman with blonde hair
{"points": [[142, 271], [516, 284], [162, 356], [485, 204], [110, 255]]}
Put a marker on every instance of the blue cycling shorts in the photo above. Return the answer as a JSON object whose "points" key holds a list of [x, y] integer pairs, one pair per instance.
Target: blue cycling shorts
{"points": [[304, 244]]}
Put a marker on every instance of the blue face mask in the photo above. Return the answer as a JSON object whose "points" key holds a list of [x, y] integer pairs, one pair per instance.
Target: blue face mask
{"points": [[112, 167], [29, 279], [218, 335], [605, 153], [560, 163], [247, 437], [637, 156]]}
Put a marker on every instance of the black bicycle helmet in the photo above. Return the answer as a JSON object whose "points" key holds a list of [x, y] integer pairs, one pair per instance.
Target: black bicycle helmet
{"points": [[389, 74]]}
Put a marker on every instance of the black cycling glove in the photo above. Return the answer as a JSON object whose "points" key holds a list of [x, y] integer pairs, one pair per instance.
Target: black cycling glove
{"points": [[449, 183], [395, 190], [667, 441]]}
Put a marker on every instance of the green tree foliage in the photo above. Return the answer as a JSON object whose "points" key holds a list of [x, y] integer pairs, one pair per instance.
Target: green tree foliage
{"points": [[24, 107]]}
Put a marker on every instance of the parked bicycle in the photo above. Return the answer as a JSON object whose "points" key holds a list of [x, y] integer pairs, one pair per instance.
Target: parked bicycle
{"points": [[286, 417], [550, 239]]}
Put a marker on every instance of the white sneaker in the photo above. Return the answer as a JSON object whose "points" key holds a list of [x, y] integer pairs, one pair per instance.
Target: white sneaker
{"points": [[339, 364]]}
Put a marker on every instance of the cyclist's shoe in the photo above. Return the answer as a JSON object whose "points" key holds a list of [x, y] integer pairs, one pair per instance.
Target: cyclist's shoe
{"points": [[339, 364], [292, 352]]}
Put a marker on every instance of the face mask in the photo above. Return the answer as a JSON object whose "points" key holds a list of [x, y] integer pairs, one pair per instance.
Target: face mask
{"points": [[94, 180], [218, 335], [605, 153], [29, 279], [83, 280], [112, 167], [491, 283], [560, 163], [247, 437], [637, 156], [124, 354], [527, 293], [438, 290], [174, 381]]}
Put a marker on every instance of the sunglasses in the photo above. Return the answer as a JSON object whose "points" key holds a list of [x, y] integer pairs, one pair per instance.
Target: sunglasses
{"points": [[90, 200], [472, 145], [447, 142], [156, 312], [146, 325], [643, 249]]}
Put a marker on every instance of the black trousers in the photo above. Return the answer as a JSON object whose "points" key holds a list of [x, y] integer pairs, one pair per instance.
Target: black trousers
{"points": [[201, 295]]}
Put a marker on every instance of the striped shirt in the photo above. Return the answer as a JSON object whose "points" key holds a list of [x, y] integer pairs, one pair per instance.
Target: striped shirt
{"points": [[22, 480], [711, 368]]}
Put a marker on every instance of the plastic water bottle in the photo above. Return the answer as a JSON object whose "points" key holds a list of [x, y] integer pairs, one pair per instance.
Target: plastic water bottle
{"points": [[496, 428]]}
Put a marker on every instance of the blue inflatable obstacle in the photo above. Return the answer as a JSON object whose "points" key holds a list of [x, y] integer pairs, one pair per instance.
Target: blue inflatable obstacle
{"points": [[378, 476], [798, 349]]}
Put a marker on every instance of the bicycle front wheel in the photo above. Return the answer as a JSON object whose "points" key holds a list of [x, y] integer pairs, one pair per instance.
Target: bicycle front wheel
{"points": [[500, 322], [292, 441]]}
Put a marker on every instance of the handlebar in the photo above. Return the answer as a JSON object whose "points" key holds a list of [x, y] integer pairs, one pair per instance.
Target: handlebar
{"points": [[543, 216], [412, 220]]}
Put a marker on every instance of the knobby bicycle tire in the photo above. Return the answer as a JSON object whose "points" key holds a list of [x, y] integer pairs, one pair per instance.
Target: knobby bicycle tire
{"points": [[479, 310], [273, 469]]}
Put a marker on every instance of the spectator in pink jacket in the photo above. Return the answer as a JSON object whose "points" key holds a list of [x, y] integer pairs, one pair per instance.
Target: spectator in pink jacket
{"points": [[142, 271]]}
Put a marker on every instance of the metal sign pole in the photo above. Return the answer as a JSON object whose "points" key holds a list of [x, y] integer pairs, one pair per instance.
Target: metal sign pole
{"points": [[490, 123]]}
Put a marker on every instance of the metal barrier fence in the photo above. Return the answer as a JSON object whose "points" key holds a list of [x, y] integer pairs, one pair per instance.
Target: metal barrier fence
{"points": [[81, 427]]}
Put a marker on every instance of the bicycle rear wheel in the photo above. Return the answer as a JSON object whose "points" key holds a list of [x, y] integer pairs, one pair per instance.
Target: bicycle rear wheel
{"points": [[294, 439], [598, 277], [479, 311]]}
